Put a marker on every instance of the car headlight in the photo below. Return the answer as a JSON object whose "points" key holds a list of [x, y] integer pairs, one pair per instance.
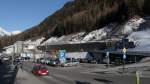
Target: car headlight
{"points": [[54, 62]]}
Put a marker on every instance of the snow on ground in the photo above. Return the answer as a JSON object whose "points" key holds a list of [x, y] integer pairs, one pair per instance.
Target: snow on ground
{"points": [[80, 37], [95, 35], [54, 40], [132, 24], [141, 39], [77, 37], [72, 38], [34, 42]]}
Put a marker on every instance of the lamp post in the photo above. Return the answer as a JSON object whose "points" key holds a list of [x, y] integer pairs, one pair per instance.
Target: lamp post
{"points": [[45, 53], [124, 57], [12, 63], [108, 59]]}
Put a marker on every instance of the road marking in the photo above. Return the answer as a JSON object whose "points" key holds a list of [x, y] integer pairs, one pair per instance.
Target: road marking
{"points": [[47, 77]]}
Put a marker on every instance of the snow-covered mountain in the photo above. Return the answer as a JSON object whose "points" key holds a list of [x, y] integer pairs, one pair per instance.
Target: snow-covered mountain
{"points": [[15, 32], [3, 32]]}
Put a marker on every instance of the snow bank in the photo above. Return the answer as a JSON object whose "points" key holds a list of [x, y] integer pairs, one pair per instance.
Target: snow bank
{"points": [[35, 42], [132, 24], [95, 35], [141, 39], [54, 40]]}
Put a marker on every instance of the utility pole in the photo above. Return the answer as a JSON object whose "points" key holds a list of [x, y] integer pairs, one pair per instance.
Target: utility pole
{"points": [[137, 77], [12, 64], [108, 59], [45, 53], [124, 57]]}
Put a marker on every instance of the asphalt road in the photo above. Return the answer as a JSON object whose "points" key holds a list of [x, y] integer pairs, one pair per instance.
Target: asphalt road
{"points": [[7, 75], [60, 75]]}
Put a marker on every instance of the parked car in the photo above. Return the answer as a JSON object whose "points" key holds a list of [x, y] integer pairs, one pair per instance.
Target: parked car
{"points": [[40, 70], [92, 61], [1, 61], [54, 62], [67, 64], [75, 62], [83, 60], [41, 60], [47, 61], [70, 63], [5, 59]]}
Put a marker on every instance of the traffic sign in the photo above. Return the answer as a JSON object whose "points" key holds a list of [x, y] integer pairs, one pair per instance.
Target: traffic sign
{"points": [[108, 60], [124, 50], [62, 55], [124, 56], [107, 54]]}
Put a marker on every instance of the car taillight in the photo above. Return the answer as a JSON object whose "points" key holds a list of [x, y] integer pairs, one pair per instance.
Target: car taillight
{"points": [[39, 71], [47, 71]]}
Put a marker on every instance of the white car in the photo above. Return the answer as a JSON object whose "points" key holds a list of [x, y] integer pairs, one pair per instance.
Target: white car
{"points": [[47, 61], [5, 58], [67, 64], [42, 61]]}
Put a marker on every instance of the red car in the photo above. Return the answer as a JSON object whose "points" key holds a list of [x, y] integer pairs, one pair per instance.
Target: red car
{"points": [[40, 70]]}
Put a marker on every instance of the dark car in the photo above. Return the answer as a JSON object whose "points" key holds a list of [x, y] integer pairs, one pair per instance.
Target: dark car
{"points": [[1, 61], [40, 70], [54, 62]]}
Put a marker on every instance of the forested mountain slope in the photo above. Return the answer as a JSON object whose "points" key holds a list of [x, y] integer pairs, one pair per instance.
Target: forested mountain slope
{"points": [[83, 15]]}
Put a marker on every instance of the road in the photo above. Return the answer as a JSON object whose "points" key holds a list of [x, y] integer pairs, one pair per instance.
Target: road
{"points": [[78, 75], [7, 75]]}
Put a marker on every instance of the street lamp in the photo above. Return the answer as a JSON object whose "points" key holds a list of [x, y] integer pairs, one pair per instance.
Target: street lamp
{"points": [[45, 52], [12, 63], [124, 57]]}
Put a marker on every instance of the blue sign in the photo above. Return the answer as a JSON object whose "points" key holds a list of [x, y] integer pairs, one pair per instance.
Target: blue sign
{"points": [[107, 54], [62, 55], [124, 56]]}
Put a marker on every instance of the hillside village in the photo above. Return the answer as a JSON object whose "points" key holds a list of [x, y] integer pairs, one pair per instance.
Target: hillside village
{"points": [[34, 48]]}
